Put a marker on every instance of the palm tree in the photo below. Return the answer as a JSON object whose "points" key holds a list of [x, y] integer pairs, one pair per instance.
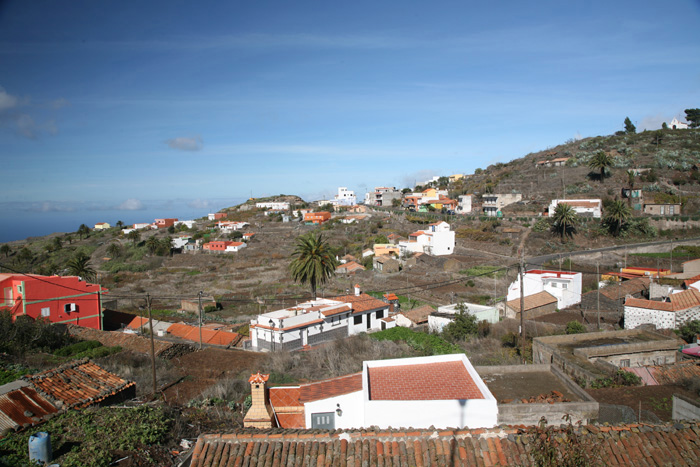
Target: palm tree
{"points": [[152, 244], [114, 250], [57, 244], [120, 225], [166, 245], [83, 230], [601, 161], [616, 215], [565, 220], [5, 250], [79, 265], [312, 261], [134, 236]]}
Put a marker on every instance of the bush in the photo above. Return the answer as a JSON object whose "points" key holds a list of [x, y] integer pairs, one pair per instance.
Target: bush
{"points": [[428, 344], [574, 327], [689, 330]]}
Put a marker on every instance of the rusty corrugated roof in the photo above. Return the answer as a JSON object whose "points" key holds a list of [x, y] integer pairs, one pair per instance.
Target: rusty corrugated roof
{"points": [[23, 407]]}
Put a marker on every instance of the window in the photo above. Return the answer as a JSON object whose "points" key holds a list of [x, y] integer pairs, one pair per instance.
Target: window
{"points": [[565, 286], [625, 363], [324, 420], [380, 314], [335, 321], [45, 312], [554, 285], [357, 319], [68, 307]]}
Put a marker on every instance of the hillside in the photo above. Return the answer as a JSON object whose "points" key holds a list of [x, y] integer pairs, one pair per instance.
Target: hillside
{"points": [[670, 153]]}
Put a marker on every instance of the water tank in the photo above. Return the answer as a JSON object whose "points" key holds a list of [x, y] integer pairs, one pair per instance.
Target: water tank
{"points": [[40, 448]]}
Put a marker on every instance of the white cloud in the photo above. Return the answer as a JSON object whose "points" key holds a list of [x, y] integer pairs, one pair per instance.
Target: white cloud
{"points": [[60, 103], [26, 126], [7, 101], [186, 144], [199, 204], [47, 206], [131, 204], [652, 122]]}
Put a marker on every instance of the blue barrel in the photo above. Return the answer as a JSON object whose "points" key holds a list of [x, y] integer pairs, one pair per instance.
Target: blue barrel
{"points": [[40, 448]]}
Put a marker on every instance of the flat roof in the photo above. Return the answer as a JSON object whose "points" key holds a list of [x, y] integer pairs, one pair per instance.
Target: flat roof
{"points": [[519, 385]]}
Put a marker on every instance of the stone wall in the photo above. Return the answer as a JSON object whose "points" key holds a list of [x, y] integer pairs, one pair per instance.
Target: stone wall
{"points": [[684, 408]]}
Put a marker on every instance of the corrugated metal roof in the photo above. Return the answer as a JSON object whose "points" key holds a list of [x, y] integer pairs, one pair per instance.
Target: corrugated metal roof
{"points": [[23, 407]]}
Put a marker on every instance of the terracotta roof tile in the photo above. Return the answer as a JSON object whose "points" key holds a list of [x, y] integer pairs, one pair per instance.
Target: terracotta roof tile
{"points": [[622, 289], [677, 445], [532, 301], [679, 301], [330, 387], [426, 381], [362, 303], [419, 315], [78, 384]]}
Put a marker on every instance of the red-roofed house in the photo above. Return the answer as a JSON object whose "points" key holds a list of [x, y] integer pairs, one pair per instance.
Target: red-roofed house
{"points": [[60, 299], [224, 246], [317, 321], [436, 240], [565, 286], [681, 308], [440, 391]]}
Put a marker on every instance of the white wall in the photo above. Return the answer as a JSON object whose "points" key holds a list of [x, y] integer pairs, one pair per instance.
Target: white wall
{"points": [[635, 316], [474, 413], [535, 283], [350, 404]]}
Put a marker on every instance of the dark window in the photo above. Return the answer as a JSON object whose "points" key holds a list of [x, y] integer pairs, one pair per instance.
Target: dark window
{"points": [[380, 314], [357, 319]]}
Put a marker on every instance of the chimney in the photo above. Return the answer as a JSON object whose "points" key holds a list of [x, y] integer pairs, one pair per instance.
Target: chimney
{"points": [[357, 290], [260, 413]]}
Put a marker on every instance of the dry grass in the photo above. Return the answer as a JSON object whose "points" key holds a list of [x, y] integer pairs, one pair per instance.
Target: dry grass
{"points": [[137, 367]]}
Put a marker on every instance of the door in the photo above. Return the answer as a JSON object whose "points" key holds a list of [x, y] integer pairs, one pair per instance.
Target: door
{"points": [[304, 337], [369, 320]]}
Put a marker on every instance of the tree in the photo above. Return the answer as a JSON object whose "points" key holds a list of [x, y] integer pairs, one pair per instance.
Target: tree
{"points": [[120, 225], [152, 244], [69, 239], [617, 214], [689, 331], [564, 220], [83, 231], [664, 126], [313, 262], [658, 137], [463, 326], [114, 250], [601, 161], [134, 236], [630, 129], [166, 246], [692, 116], [5, 250], [79, 265], [57, 244]]}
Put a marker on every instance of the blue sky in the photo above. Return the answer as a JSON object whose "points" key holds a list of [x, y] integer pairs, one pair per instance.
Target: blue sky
{"points": [[129, 109]]}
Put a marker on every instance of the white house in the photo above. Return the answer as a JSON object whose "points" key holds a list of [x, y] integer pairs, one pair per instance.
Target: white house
{"points": [[493, 203], [143, 225], [344, 197], [273, 205], [566, 287], [582, 207], [188, 224], [465, 204], [234, 247], [436, 240], [446, 314], [317, 321], [671, 314], [677, 125], [230, 226], [438, 391]]}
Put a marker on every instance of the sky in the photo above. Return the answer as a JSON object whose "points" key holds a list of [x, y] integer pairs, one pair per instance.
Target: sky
{"points": [[136, 110]]}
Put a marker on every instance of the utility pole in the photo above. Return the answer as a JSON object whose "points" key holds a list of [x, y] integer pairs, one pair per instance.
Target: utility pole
{"points": [[153, 350], [521, 270], [200, 320], [597, 284], [671, 256]]}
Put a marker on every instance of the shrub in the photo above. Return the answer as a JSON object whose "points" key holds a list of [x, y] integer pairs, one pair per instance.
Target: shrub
{"points": [[574, 327], [428, 344]]}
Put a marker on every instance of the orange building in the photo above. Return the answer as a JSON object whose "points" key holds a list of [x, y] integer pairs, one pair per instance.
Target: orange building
{"points": [[317, 217], [165, 223]]}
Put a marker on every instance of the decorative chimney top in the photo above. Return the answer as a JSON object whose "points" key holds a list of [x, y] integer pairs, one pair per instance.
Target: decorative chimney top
{"points": [[260, 413], [258, 378], [357, 290]]}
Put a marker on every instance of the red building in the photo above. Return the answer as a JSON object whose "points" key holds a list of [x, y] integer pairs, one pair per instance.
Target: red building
{"points": [[317, 217], [58, 299], [165, 223]]}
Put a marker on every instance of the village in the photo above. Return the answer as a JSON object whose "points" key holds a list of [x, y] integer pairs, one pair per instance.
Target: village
{"points": [[436, 310]]}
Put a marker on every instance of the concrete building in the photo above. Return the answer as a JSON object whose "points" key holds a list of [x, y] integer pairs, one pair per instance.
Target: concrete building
{"points": [[582, 207], [446, 314], [344, 197], [164, 223], [677, 125], [594, 355], [565, 286], [382, 196], [662, 209], [317, 321], [102, 226], [464, 204], [385, 264], [436, 240], [58, 299], [492, 204], [317, 217], [215, 216], [438, 391], [536, 305], [671, 314]]}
